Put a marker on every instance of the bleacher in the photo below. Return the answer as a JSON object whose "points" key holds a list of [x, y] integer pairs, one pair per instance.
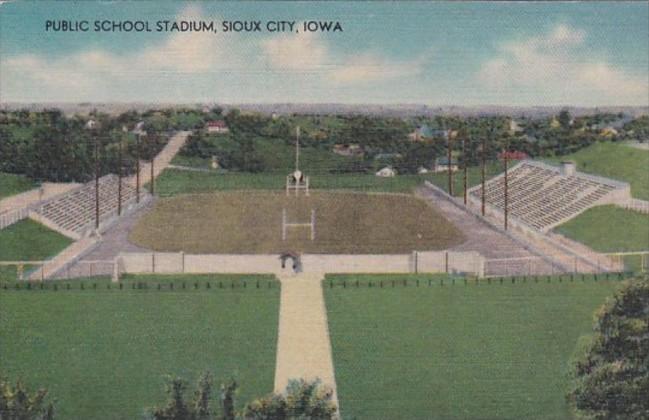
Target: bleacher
{"points": [[74, 212], [542, 196]]}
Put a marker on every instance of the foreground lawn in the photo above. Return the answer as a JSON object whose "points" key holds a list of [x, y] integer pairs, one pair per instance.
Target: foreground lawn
{"points": [[618, 161], [105, 353], [487, 351], [251, 222], [11, 184]]}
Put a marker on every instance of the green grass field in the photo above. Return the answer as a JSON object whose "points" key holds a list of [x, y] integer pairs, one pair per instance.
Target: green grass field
{"points": [[610, 229], [28, 241], [617, 161], [251, 222], [11, 184], [105, 353], [487, 351], [173, 181]]}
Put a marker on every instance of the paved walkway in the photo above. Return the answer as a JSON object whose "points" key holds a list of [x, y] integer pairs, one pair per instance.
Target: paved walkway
{"points": [[163, 159], [34, 196], [303, 346]]}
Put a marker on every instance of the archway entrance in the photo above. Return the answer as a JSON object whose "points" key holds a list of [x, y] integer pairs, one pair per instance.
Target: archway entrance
{"points": [[296, 263]]}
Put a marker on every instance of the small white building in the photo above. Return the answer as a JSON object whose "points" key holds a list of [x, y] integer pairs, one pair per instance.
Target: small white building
{"points": [[386, 172], [218, 127], [442, 165]]}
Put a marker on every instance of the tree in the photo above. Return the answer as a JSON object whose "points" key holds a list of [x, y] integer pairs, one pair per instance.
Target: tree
{"points": [[564, 118], [302, 400], [177, 408], [611, 379], [16, 403]]}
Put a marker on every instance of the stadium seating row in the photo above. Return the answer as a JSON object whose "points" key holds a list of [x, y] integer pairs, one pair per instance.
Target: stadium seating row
{"points": [[75, 211], [542, 196]]}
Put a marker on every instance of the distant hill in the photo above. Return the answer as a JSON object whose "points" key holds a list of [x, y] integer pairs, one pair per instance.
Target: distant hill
{"points": [[395, 110]]}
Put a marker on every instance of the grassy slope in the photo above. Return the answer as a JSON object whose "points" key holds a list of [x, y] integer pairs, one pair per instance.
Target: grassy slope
{"points": [[609, 229], [14, 184], [28, 240], [616, 161], [105, 353], [488, 351], [250, 222]]}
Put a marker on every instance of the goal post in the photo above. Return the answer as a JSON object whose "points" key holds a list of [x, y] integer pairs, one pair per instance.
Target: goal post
{"points": [[286, 225]]}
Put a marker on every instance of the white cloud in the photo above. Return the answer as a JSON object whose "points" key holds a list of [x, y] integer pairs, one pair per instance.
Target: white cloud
{"points": [[94, 73], [559, 68], [309, 53]]}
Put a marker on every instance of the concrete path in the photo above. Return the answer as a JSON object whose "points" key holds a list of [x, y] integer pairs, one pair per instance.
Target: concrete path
{"points": [[163, 159], [32, 197], [303, 345], [75, 250]]}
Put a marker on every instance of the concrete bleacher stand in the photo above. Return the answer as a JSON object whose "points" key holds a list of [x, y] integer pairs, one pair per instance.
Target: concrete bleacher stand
{"points": [[73, 214], [542, 196]]}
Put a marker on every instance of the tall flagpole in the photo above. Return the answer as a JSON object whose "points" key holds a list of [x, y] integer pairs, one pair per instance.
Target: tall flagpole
{"points": [[297, 148]]}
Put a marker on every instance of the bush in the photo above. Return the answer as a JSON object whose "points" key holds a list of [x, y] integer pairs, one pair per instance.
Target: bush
{"points": [[611, 377], [16, 403]]}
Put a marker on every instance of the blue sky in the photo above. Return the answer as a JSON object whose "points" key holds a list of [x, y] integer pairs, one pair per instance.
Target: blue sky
{"points": [[470, 53]]}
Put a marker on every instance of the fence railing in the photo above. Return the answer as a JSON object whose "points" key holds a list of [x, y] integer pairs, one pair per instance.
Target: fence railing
{"points": [[635, 204], [9, 218]]}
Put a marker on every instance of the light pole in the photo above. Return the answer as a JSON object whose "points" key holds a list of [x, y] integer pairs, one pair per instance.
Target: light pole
{"points": [[137, 167], [482, 172], [119, 171], [92, 125], [464, 163], [152, 173]]}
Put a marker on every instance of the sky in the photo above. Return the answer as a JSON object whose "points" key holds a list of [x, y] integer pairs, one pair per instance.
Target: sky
{"points": [[434, 53]]}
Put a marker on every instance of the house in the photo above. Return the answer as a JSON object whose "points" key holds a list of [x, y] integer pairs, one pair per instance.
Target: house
{"points": [[352, 150], [513, 155], [386, 172], [608, 132], [422, 170], [139, 128], [217, 127], [514, 127], [424, 132], [442, 165], [554, 123]]}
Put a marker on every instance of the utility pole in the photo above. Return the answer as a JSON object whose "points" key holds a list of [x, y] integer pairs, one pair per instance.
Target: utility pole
{"points": [[505, 156], [152, 177], [464, 163], [137, 168], [96, 180], [449, 155], [119, 174], [482, 172]]}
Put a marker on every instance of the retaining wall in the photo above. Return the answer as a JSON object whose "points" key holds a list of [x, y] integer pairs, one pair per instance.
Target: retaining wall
{"points": [[422, 262]]}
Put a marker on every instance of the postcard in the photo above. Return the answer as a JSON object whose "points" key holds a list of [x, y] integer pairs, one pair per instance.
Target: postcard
{"points": [[324, 210]]}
